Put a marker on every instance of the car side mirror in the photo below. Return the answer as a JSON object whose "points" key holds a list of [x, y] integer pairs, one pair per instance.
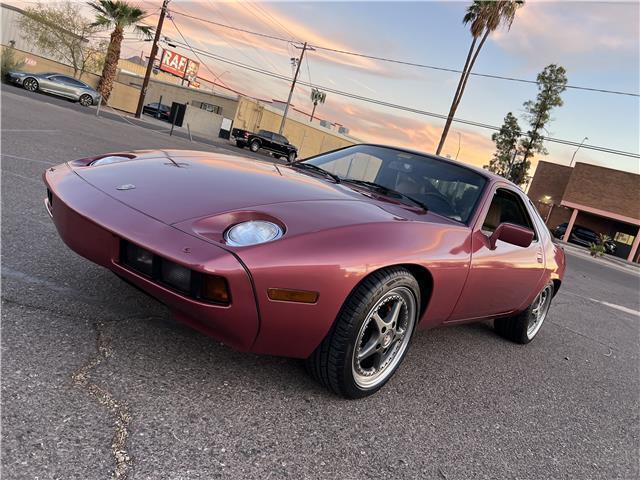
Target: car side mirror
{"points": [[513, 234]]}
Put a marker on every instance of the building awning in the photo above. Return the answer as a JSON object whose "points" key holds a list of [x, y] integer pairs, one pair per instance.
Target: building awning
{"points": [[601, 213]]}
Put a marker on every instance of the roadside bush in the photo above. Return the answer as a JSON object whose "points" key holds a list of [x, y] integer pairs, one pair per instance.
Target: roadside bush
{"points": [[597, 249], [8, 62]]}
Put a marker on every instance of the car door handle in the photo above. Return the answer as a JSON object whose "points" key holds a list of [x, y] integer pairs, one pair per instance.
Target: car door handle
{"points": [[539, 256]]}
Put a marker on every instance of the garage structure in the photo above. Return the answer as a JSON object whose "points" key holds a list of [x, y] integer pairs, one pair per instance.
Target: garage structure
{"points": [[603, 199]]}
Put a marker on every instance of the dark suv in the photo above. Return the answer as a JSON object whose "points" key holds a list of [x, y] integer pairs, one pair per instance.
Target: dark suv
{"points": [[583, 236], [277, 144]]}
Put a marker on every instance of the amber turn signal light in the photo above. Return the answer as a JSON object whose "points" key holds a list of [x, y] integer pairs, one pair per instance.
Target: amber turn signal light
{"points": [[287, 295], [215, 289]]}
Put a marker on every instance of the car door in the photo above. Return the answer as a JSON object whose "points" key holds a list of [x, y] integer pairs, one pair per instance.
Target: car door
{"points": [[280, 144], [59, 84], [266, 139], [500, 280]]}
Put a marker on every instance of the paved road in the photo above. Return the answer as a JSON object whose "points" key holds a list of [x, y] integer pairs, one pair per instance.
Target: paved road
{"points": [[97, 376]]}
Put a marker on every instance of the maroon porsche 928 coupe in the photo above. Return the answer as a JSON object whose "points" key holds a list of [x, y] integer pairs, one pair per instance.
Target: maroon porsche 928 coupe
{"points": [[336, 259]]}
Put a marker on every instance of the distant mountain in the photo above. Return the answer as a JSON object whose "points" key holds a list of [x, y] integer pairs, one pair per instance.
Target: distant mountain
{"points": [[137, 59]]}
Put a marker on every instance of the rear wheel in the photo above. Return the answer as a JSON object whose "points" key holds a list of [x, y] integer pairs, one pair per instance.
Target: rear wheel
{"points": [[523, 328], [371, 335], [254, 146], [30, 84], [85, 100]]}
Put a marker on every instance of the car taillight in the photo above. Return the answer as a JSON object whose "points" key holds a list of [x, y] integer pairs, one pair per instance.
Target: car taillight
{"points": [[246, 134]]}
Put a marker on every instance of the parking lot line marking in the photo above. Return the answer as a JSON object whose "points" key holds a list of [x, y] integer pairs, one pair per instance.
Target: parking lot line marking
{"points": [[27, 130], [33, 180], [607, 304], [26, 158]]}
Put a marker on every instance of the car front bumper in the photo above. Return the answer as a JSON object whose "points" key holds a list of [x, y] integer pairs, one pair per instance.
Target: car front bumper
{"points": [[93, 224]]}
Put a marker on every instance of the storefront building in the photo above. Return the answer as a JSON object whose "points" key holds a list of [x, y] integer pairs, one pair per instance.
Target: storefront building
{"points": [[601, 199]]}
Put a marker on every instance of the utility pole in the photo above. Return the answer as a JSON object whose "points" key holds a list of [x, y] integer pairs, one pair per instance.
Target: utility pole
{"points": [[152, 58], [293, 85]]}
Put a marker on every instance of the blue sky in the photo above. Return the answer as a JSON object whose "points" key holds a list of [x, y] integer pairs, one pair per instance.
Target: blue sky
{"points": [[596, 42]]}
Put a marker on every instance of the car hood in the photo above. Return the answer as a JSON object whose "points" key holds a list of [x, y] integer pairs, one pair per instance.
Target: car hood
{"points": [[174, 186]]}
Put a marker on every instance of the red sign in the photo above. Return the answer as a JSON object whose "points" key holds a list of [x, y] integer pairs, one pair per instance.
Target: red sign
{"points": [[179, 65]]}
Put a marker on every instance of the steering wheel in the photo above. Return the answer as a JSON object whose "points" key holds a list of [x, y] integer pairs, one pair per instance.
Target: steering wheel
{"points": [[440, 202]]}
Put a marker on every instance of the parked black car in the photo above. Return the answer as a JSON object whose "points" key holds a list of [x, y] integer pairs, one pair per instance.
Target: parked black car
{"points": [[157, 110], [584, 236], [277, 144]]}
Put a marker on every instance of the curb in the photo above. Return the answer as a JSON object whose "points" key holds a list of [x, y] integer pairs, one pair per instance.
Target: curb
{"points": [[607, 259]]}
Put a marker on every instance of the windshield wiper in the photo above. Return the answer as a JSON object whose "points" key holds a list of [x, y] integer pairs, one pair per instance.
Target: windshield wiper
{"points": [[386, 191], [315, 168]]}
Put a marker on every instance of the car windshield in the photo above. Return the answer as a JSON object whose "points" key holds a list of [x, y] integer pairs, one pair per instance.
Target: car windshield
{"points": [[445, 188]]}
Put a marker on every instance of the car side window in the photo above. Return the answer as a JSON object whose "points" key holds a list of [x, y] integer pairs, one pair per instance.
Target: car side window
{"points": [[58, 78], [265, 134], [506, 207]]}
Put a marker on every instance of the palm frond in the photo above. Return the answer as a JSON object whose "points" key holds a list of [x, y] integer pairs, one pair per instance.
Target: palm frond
{"points": [[145, 31]]}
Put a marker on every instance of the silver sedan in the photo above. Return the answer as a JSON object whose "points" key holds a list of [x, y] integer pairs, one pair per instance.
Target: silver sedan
{"points": [[56, 84]]}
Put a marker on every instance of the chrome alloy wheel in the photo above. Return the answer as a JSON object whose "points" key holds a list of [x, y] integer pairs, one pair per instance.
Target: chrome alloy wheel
{"points": [[383, 337], [30, 85], [539, 311], [86, 100]]}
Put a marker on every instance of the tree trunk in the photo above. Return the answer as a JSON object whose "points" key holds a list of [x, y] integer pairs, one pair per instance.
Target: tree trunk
{"points": [[105, 85], [473, 61], [447, 125]]}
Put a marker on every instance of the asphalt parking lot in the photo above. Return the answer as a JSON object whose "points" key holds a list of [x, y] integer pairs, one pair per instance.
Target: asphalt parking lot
{"points": [[96, 376]]}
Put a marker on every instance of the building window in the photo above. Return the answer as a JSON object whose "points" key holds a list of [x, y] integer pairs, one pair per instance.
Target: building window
{"points": [[624, 238], [207, 106]]}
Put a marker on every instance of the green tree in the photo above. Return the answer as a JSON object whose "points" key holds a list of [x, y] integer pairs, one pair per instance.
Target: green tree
{"points": [[61, 31], [483, 18], [506, 140], [552, 81], [119, 15]]}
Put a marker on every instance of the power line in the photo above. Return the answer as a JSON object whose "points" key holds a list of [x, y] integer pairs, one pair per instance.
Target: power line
{"points": [[406, 108], [197, 56], [403, 62]]}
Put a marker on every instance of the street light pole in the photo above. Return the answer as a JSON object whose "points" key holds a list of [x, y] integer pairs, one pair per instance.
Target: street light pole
{"points": [[152, 58], [574, 153], [293, 85]]}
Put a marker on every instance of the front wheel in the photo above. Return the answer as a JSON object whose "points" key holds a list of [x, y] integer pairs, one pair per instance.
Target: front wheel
{"points": [[291, 157], [85, 100], [523, 328], [30, 84], [371, 335]]}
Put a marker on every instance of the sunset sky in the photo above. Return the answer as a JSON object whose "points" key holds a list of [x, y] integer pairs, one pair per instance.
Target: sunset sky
{"points": [[598, 44]]}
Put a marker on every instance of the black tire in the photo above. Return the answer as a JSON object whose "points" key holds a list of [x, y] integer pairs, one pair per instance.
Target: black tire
{"points": [[85, 100], [30, 84], [240, 144], [332, 363], [291, 157], [517, 328], [254, 146]]}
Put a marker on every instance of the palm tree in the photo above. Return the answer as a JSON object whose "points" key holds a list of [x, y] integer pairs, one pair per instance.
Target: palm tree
{"points": [[119, 15], [316, 97], [483, 18]]}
